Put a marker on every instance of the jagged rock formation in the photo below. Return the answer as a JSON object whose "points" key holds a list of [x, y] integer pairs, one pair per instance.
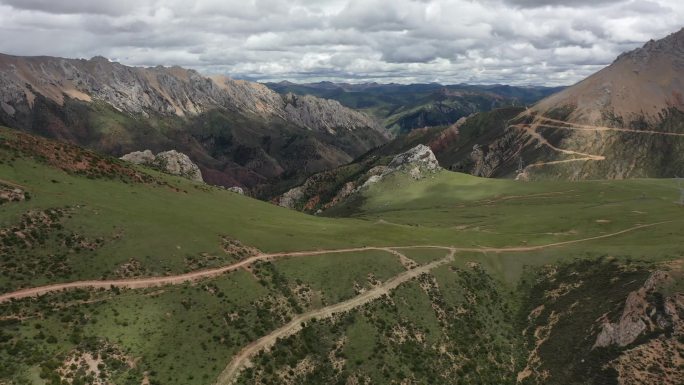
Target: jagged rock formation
{"points": [[173, 90], [641, 315], [239, 132], [316, 193], [172, 162], [651, 328], [420, 156], [291, 197]]}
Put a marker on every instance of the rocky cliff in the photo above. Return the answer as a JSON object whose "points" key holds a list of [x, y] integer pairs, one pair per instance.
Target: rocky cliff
{"points": [[238, 132], [169, 91]]}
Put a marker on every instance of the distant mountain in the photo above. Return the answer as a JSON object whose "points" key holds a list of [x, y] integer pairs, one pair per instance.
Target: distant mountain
{"points": [[638, 87], [239, 132], [625, 121], [402, 108], [456, 147]]}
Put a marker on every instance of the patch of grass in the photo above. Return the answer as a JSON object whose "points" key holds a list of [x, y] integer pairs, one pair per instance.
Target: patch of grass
{"points": [[423, 255], [322, 273]]}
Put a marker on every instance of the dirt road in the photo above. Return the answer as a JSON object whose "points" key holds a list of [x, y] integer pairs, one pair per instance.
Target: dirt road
{"points": [[532, 131], [241, 360], [140, 283], [584, 127]]}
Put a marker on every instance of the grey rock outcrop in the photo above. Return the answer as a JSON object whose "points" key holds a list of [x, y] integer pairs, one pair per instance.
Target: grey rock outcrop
{"points": [[139, 157], [177, 163], [11, 194], [172, 162], [419, 156], [291, 198], [323, 114], [237, 190], [641, 315], [417, 162]]}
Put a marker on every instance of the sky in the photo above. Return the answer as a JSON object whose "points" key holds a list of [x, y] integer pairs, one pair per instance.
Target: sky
{"points": [[517, 42]]}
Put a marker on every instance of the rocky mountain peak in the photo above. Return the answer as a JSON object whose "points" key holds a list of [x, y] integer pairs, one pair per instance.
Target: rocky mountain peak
{"points": [[640, 85], [419, 156], [671, 46], [163, 90]]}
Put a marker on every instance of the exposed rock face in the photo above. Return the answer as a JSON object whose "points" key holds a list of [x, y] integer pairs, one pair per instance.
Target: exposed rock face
{"points": [[239, 132], [316, 113], [419, 156], [642, 315], [172, 162], [139, 157], [237, 190], [417, 162], [164, 90], [291, 198], [177, 163]]}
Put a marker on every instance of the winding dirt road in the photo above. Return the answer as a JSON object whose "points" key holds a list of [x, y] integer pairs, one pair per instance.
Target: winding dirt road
{"points": [[584, 127], [242, 359], [140, 283], [544, 122]]}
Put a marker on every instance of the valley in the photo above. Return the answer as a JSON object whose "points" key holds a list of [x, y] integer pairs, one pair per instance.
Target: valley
{"points": [[447, 237], [341, 193]]}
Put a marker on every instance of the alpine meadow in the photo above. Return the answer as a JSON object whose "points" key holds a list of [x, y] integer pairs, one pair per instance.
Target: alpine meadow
{"points": [[341, 192]]}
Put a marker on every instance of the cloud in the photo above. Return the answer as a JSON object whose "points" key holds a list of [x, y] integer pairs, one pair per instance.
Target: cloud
{"points": [[118, 7], [558, 3], [450, 41]]}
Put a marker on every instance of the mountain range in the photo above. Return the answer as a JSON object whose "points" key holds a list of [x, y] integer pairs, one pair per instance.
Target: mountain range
{"points": [[120, 265], [625, 121], [401, 108], [239, 132]]}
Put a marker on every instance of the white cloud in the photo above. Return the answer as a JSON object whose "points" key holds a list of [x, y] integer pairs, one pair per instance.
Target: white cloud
{"points": [[450, 41]]}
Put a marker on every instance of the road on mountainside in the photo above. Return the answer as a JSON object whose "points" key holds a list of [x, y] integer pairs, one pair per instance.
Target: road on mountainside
{"points": [[140, 283], [242, 359], [542, 121], [585, 127]]}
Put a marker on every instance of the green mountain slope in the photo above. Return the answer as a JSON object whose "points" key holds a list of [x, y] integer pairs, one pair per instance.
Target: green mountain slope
{"points": [[469, 280]]}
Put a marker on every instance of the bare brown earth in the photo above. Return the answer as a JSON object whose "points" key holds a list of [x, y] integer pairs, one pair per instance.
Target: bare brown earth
{"points": [[140, 283], [651, 73]]}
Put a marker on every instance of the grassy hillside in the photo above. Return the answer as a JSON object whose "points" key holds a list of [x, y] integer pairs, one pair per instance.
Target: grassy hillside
{"points": [[514, 298]]}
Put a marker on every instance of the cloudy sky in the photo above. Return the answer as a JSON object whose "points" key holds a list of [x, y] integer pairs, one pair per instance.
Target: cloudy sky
{"points": [[535, 42]]}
